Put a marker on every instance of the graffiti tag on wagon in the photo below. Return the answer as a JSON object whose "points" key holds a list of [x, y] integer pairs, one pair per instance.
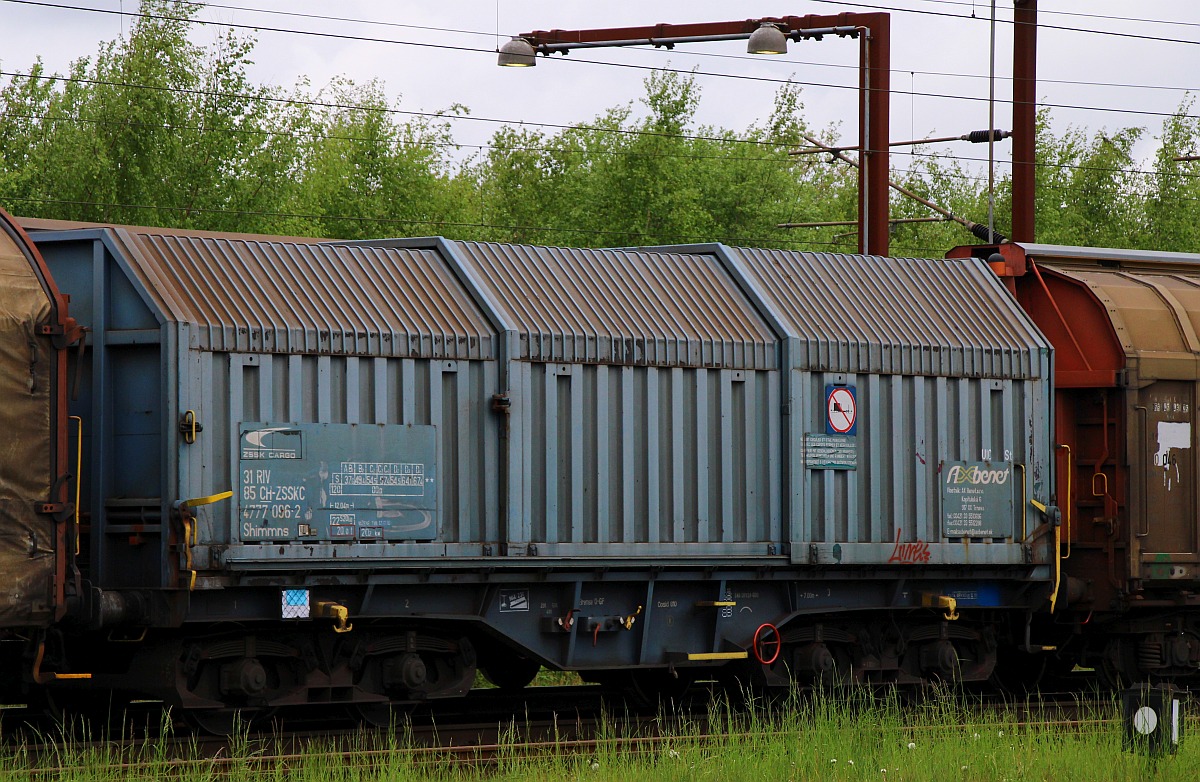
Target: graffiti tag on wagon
{"points": [[914, 553]]}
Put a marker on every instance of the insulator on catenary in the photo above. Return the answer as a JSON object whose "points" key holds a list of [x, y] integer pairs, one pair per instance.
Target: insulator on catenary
{"points": [[980, 231], [980, 136]]}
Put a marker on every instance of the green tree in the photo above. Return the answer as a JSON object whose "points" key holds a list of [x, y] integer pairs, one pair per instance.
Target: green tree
{"points": [[1088, 190], [1172, 203], [157, 130], [154, 130], [363, 174], [659, 178]]}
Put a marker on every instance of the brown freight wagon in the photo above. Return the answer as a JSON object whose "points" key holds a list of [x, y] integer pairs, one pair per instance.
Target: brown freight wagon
{"points": [[1125, 325]]}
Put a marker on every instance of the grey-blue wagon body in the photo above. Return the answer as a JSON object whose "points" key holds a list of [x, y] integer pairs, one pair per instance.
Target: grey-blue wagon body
{"points": [[605, 457]]}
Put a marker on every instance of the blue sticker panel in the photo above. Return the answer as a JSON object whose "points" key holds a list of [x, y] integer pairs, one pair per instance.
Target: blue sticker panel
{"points": [[336, 482], [294, 604], [983, 594]]}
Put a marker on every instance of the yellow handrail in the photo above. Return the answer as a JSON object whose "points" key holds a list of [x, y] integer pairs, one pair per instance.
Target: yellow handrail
{"points": [[191, 530], [1057, 553], [44, 677], [1057, 534], [196, 502], [188, 531]]}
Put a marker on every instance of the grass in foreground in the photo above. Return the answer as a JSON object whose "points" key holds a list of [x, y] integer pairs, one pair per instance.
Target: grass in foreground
{"points": [[827, 738]]}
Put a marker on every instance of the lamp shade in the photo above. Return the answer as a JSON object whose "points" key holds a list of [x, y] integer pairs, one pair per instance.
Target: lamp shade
{"points": [[517, 53], [767, 39]]}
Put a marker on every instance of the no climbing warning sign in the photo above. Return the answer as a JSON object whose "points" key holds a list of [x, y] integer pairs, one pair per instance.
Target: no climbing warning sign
{"points": [[841, 410]]}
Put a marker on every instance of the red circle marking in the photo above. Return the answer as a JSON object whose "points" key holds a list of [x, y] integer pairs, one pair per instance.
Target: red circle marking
{"points": [[767, 635], [842, 411]]}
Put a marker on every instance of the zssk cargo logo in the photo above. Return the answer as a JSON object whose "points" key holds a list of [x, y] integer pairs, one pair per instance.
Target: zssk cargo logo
{"points": [[276, 442], [975, 476]]}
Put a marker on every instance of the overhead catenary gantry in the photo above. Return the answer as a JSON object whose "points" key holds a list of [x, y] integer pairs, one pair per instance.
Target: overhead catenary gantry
{"points": [[769, 35]]}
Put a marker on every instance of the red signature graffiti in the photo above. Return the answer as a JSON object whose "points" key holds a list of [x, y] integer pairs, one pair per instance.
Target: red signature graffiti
{"points": [[909, 553]]}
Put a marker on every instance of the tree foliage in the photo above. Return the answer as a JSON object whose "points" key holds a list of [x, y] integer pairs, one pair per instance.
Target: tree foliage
{"points": [[156, 129], [626, 179]]}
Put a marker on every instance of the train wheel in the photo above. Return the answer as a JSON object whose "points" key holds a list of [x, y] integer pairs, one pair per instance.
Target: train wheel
{"points": [[644, 688], [224, 722], [655, 686], [1117, 667], [1110, 677], [83, 713], [1017, 672], [385, 715], [744, 682], [510, 672]]}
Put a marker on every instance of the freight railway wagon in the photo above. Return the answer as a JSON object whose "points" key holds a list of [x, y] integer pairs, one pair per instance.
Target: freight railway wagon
{"points": [[1125, 327], [301, 473]]}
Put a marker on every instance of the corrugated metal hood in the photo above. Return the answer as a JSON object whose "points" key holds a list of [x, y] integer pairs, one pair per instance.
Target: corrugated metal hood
{"points": [[632, 307], [868, 314], [1155, 316], [271, 296]]}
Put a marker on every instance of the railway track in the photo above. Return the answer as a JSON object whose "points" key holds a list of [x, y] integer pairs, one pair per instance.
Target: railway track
{"points": [[488, 728], [559, 720]]}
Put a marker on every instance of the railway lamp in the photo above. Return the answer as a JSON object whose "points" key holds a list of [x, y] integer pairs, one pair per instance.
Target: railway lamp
{"points": [[767, 39], [517, 53], [769, 35]]}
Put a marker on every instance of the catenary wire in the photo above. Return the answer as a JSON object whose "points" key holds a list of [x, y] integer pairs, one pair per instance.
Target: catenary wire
{"points": [[560, 126], [403, 221], [1063, 28], [533, 148], [370, 109], [437, 116], [382, 23], [1077, 14], [481, 33], [457, 117], [429, 144], [715, 74], [843, 242], [693, 53]]}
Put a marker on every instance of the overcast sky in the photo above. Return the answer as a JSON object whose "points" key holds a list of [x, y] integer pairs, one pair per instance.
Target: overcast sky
{"points": [[939, 58]]}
